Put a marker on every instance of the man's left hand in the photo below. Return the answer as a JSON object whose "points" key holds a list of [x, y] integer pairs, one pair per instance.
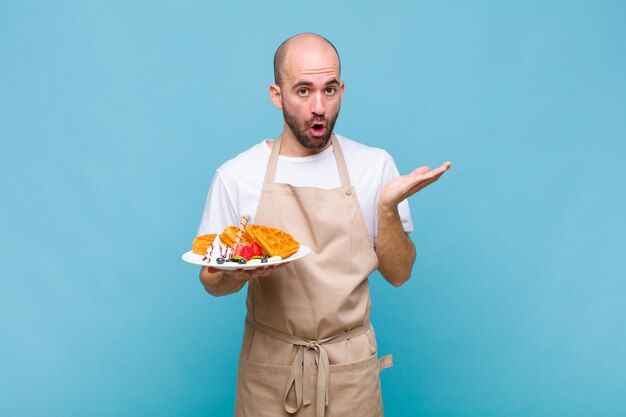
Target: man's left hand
{"points": [[395, 250], [405, 186]]}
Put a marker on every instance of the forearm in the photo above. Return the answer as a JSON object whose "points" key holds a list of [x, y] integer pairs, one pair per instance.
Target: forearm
{"points": [[394, 248], [217, 282]]}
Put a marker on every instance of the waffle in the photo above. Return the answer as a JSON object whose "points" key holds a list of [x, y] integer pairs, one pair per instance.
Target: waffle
{"points": [[273, 242], [228, 236], [201, 243]]}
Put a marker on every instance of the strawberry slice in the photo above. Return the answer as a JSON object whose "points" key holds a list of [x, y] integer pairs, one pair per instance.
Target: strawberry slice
{"points": [[256, 250], [247, 252]]}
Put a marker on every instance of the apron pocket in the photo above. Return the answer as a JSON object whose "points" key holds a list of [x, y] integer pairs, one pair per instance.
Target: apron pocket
{"points": [[260, 390], [355, 389]]}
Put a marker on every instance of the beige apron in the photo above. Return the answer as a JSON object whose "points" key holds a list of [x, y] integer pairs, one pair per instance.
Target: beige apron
{"points": [[308, 347]]}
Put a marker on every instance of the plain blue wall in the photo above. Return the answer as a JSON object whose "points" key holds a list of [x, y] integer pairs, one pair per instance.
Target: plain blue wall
{"points": [[114, 116]]}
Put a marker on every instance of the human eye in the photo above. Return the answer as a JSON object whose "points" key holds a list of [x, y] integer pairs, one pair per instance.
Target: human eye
{"points": [[331, 90], [302, 92]]}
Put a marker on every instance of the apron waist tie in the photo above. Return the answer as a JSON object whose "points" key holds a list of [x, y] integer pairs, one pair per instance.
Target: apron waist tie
{"points": [[300, 372]]}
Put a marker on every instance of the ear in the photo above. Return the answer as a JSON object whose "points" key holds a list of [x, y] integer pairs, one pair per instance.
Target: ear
{"points": [[342, 87], [276, 96]]}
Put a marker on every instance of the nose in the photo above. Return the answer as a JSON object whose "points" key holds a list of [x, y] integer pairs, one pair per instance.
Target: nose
{"points": [[318, 107]]}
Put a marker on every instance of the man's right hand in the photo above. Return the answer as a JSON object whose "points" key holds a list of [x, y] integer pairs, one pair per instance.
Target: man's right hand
{"points": [[220, 282]]}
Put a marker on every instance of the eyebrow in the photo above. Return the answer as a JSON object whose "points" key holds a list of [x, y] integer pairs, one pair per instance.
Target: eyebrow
{"points": [[309, 83]]}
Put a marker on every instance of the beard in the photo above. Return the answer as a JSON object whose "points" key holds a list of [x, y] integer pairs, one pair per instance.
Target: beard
{"points": [[302, 131]]}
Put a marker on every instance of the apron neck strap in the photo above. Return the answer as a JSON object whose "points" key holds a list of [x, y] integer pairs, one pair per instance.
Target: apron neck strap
{"points": [[270, 173]]}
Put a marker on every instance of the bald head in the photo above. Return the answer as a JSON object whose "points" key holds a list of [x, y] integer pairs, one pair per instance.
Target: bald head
{"points": [[298, 44]]}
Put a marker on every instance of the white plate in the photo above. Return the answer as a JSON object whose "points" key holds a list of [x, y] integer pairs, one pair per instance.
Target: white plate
{"points": [[194, 258]]}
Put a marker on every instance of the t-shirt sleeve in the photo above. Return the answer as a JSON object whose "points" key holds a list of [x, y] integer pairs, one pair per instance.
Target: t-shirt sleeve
{"points": [[219, 210], [390, 171]]}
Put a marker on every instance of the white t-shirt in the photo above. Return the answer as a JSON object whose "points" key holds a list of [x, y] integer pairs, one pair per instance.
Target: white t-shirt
{"points": [[237, 184]]}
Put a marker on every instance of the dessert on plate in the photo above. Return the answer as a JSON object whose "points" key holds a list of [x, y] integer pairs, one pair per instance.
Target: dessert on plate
{"points": [[273, 242], [246, 244], [201, 244]]}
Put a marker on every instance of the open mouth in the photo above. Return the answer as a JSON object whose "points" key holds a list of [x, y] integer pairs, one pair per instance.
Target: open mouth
{"points": [[318, 129]]}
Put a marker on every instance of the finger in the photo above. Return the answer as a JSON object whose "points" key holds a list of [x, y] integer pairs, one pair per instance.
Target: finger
{"points": [[443, 168], [255, 273], [425, 180], [421, 170], [419, 179], [263, 271], [425, 169], [435, 173], [429, 174], [240, 275], [425, 183]]}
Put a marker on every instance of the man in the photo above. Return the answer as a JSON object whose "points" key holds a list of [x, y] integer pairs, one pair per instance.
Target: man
{"points": [[308, 346]]}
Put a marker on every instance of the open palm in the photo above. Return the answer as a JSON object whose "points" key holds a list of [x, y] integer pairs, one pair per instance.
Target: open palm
{"points": [[403, 187]]}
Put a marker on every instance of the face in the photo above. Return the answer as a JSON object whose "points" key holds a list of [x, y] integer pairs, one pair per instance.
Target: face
{"points": [[315, 132], [310, 95]]}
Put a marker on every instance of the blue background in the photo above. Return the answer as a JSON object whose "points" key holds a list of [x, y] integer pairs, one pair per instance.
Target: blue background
{"points": [[114, 116]]}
